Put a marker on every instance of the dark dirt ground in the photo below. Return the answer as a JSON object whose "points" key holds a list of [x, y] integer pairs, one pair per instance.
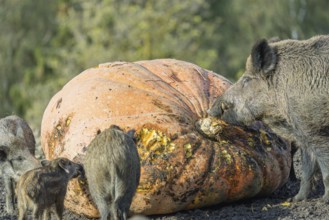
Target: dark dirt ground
{"points": [[270, 207]]}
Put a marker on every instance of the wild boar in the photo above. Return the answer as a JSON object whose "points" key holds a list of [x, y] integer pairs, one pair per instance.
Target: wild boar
{"points": [[17, 146], [286, 85], [42, 188], [112, 169]]}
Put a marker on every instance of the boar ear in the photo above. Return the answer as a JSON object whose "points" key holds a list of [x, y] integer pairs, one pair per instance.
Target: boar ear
{"points": [[45, 163], [62, 164], [263, 57], [131, 133], [3, 153], [115, 127], [19, 132], [12, 126]]}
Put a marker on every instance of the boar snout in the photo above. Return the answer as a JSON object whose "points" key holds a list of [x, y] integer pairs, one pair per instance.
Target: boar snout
{"points": [[218, 108], [80, 171]]}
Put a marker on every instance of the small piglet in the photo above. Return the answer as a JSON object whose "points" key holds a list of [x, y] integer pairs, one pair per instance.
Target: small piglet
{"points": [[113, 170], [42, 188]]}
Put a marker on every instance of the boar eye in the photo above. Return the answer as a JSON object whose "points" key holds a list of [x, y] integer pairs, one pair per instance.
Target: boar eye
{"points": [[20, 158], [245, 80]]}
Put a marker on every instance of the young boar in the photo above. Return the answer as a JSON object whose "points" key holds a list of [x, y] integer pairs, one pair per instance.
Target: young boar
{"points": [[286, 85], [112, 169], [17, 145], [42, 188]]}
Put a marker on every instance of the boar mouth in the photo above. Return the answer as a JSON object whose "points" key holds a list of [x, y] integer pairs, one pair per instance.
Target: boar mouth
{"points": [[225, 106], [239, 117], [231, 118], [230, 113], [76, 175], [218, 108], [79, 172]]}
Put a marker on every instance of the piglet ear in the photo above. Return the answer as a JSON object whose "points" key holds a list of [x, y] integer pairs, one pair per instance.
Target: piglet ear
{"points": [[263, 57], [131, 133], [62, 164]]}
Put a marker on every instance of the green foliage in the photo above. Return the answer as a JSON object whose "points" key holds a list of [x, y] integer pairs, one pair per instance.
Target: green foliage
{"points": [[27, 29], [44, 44], [102, 31]]}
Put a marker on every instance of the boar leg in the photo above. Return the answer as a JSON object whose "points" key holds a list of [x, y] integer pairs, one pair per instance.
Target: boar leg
{"points": [[22, 213], [292, 175], [21, 204], [323, 160], [37, 213], [59, 207], [46, 214], [308, 170], [119, 212], [102, 208], [9, 194], [101, 197], [102, 202]]}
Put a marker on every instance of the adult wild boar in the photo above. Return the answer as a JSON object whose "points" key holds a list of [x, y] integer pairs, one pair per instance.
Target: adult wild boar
{"points": [[17, 145], [286, 85]]}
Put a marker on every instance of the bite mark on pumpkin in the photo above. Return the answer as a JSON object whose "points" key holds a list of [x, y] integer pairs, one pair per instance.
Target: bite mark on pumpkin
{"points": [[55, 138]]}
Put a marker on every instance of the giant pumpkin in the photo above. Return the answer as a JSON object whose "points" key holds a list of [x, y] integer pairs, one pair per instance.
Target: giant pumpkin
{"points": [[187, 161]]}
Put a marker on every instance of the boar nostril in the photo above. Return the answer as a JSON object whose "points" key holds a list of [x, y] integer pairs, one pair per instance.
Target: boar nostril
{"points": [[224, 106]]}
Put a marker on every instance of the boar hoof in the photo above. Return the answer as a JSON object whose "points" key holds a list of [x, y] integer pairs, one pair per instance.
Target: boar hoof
{"points": [[299, 198], [325, 198]]}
